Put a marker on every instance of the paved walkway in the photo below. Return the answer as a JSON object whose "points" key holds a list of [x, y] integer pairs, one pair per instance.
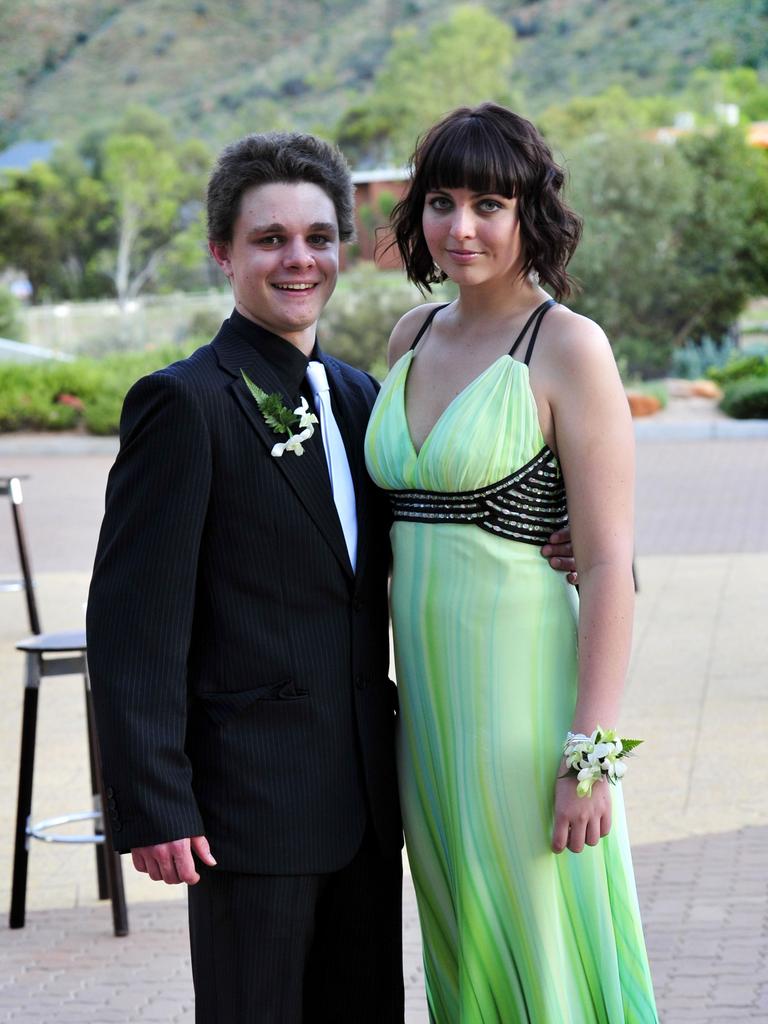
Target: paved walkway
{"points": [[696, 795]]}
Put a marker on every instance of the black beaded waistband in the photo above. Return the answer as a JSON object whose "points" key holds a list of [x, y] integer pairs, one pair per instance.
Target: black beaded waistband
{"points": [[527, 506]]}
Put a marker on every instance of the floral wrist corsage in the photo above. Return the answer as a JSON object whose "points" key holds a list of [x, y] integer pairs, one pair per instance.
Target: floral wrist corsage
{"points": [[591, 758]]}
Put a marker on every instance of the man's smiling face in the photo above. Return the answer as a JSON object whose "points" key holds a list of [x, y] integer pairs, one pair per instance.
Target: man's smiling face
{"points": [[283, 259]]}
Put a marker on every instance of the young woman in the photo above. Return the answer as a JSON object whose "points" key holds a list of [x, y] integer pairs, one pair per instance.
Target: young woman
{"points": [[497, 406]]}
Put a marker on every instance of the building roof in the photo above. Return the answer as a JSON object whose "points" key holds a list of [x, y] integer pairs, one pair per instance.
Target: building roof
{"points": [[21, 155], [380, 174]]}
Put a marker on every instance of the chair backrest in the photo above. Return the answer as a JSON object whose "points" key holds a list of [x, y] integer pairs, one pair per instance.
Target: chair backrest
{"points": [[11, 486]]}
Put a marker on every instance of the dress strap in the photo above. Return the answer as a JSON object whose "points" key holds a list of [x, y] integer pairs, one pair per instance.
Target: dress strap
{"points": [[427, 322], [538, 312]]}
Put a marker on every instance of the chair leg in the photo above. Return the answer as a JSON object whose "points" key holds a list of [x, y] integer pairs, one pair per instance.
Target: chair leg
{"points": [[116, 889], [111, 859], [24, 806], [101, 854]]}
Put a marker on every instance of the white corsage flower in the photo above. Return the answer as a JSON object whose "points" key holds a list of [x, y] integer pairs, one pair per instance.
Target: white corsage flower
{"points": [[591, 758], [282, 420], [306, 418], [295, 443]]}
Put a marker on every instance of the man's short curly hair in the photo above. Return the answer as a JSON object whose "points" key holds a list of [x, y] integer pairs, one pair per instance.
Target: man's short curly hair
{"points": [[277, 157], [491, 149]]}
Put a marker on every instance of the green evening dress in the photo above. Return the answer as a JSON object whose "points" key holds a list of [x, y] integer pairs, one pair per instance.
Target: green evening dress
{"points": [[486, 654]]}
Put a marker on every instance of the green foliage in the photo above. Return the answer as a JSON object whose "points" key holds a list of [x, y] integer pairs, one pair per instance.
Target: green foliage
{"points": [[151, 182], [10, 323], [276, 415], [52, 226], [740, 85], [464, 59], [630, 745], [694, 360], [60, 396], [675, 239], [108, 219], [610, 113], [633, 196], [725, 236], [49, 64], [204, 326], [746, 399], [741, 367]]}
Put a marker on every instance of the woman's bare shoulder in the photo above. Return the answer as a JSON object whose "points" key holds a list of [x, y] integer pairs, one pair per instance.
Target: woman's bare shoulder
{"points": [[406, 329], [572, 342]]}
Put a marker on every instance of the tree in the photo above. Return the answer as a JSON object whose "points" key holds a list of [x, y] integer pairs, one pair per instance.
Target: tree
{"points": [[608, 113], [675, 239], [725, 240], [156, 193], [52, 227], [464, 60], [634, 197], [110, 218]]}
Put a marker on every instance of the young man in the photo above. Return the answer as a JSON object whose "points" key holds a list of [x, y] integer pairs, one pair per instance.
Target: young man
{"points": [[237, 625]]}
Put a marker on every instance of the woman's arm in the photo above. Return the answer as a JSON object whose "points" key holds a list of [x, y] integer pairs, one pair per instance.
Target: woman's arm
{"points": [[595, 443]]}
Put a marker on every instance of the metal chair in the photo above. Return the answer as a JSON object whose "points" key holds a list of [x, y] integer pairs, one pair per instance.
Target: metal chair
{"points": [[55, 654], [10, 486]]}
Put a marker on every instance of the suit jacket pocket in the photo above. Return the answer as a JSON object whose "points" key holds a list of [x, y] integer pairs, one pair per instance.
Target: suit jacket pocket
{"points": [[222, 707]]}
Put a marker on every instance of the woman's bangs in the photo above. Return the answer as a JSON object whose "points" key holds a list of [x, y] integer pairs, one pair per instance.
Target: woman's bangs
{"points": [[469, 156]]}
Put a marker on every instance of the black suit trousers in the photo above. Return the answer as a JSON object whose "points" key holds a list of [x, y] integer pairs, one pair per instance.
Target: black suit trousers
{"points": [[300, 949]]}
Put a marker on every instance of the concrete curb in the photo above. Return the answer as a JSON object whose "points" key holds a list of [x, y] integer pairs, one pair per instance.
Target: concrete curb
{"points": [[698, 430]]}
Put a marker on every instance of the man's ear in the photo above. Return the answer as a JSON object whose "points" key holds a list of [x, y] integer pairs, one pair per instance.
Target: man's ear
{"points": [[220, 252]]}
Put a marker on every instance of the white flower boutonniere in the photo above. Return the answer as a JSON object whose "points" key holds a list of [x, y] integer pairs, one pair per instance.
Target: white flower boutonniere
{"points": [[280, 418]]}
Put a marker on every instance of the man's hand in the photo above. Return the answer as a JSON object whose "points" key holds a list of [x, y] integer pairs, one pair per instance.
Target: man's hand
{"points": [[173, 862], [559, 553]]}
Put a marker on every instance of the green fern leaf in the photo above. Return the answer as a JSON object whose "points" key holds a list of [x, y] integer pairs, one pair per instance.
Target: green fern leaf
{"points": [[629, 745]]}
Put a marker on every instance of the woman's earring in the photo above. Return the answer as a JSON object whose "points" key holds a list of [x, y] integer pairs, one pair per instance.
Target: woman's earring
{"points": [[436, 275]]}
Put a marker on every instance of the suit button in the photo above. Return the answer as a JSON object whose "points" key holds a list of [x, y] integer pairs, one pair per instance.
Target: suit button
{"points": [[116, 826], [109, 791], [360, 681], [112, 804], [357, 604]]}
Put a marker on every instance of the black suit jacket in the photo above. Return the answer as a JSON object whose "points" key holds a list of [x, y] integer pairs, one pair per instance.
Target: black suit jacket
{"points": [[238, 665]]}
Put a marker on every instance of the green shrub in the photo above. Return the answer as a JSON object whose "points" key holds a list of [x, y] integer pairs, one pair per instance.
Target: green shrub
{"points": [[740, 368], [102, 414], [746, 399], [695, 359], [641, 358], [59, 396]]}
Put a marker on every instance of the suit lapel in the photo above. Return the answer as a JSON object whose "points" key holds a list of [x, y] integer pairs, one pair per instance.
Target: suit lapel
{"points": [[308, 473]]}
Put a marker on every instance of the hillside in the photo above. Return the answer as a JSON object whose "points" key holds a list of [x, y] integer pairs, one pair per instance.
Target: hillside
{"points": [[220, 69]]}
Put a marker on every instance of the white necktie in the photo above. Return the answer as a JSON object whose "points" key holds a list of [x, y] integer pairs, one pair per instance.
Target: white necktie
{"points": [[336, 456]]}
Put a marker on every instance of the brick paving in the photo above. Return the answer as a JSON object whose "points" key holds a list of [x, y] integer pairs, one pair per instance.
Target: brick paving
{"points": [[697, 809]]}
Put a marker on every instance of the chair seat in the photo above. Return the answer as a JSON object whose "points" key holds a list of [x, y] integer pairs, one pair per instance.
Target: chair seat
{"points": [[70, 640]]}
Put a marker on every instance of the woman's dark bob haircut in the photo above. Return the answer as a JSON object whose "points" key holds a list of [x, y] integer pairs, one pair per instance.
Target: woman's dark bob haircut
{"points": [[491, 149]]}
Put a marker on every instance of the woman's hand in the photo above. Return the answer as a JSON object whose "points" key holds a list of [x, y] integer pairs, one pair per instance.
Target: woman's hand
{"points": [[580, 820]]}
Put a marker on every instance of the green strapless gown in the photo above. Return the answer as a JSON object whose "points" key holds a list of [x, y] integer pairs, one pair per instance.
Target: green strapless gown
{"points": [[486, 653]]}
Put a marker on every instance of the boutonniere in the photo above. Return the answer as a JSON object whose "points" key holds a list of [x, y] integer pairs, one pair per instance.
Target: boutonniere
{"points": [[279, 418]]}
